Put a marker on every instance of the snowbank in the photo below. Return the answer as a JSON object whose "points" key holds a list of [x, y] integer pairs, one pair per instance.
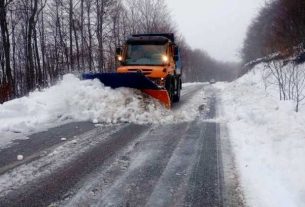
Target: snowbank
{"points": [[193, 84], [78, 100], [268, 139]]}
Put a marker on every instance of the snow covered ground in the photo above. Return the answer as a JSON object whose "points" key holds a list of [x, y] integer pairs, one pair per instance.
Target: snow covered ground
{"points": [[73, 100], [268, 140]]}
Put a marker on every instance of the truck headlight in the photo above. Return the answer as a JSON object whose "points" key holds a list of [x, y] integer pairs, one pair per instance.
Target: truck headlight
{"points": [[165, 58]]}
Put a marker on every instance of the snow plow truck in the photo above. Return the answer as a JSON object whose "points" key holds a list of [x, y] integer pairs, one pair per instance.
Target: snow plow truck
{"points": [[150, 63]]}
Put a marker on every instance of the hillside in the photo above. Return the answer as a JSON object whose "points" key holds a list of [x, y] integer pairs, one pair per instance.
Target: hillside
{"points": [[267, 137]]}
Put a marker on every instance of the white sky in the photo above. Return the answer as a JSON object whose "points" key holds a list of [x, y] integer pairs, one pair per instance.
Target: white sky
{"points": [[216, 26]]}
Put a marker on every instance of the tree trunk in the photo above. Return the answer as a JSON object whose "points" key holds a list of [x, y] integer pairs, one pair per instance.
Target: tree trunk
{"points": [[77, 46], [30, 74], [100, 22], [6, 43], [70, 33], [38, 69], [90, 35], [43, 49], [82, 33]]}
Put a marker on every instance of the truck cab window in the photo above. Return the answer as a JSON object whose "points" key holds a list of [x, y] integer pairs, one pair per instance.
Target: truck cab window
{"points": [[145, 54]]}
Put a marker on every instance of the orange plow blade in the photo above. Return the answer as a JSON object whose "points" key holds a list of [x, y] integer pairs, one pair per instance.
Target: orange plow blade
{"points": [[161, 95], [131, 80]]}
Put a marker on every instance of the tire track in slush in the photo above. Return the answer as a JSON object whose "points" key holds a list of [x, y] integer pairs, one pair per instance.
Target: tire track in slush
{"points": [[135, 187], [44, 192], [171, 165]]}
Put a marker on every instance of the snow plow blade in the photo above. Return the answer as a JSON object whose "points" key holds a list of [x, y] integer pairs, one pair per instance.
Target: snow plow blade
{"points": [[161, 95], [131, 80]]}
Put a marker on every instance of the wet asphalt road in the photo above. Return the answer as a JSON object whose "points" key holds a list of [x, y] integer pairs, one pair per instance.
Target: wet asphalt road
{"points": [[119, 165]]}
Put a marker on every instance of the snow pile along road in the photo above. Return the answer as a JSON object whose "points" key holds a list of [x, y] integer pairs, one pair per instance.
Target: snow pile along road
{"points": [[268, 139], [73, 99]]}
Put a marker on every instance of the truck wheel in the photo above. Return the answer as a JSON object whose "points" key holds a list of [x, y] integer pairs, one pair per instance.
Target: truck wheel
{"points": [[176, 97]]}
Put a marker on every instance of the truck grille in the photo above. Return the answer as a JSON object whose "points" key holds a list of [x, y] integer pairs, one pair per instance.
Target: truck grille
{"points": [[144, 71]]}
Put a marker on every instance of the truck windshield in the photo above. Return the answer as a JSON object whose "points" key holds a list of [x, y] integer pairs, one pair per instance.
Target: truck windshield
{"points": [[145, 54]]}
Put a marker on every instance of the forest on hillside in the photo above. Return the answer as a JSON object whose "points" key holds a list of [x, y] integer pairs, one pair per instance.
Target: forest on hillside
{"points": [[203, 68], [279, 28], [276, 37], [41, 40]]}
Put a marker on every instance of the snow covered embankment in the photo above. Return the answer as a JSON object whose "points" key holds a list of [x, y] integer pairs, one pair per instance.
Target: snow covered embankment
{"points": [[268, 140], [75, 100]]}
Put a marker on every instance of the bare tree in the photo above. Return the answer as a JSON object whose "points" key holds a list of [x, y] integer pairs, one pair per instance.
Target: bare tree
{"points": [[289, 79], [7, 77], [298, 86], [42, 40]]}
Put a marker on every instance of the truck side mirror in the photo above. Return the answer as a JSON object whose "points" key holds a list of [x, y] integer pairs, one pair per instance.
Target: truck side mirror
{"points": [[118, 51], [176, 53]]}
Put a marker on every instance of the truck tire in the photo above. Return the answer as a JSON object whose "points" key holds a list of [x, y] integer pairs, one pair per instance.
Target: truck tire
{"points": [[176, 97], [170, 87]]}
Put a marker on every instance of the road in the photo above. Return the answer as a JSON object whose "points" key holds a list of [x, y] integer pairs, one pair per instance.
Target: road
{"points": [[121, 165]]}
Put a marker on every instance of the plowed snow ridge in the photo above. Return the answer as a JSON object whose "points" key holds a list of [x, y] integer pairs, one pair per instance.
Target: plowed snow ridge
{"points": [[73, 99]]}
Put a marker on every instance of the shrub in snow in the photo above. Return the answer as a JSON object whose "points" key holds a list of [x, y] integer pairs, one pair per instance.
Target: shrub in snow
{"points": [[289, 79]]}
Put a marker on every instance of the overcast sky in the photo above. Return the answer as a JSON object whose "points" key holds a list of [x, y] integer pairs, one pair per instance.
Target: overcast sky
{"points": [[217, 26]]}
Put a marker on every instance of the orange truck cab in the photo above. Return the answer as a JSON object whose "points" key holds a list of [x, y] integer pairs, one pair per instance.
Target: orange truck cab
{"points": [[157, 57]]}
